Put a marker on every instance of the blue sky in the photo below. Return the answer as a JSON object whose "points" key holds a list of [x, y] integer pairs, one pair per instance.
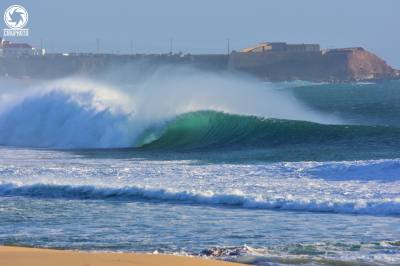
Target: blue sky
{"points": [[203, 26]]}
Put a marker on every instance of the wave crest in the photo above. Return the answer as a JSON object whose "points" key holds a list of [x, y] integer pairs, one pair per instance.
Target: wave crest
{"points": [[40, 190], [76, 113], [59, 119]]}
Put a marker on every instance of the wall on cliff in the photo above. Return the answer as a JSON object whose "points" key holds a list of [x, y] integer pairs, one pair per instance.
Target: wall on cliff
{"points": [[313, 66]]}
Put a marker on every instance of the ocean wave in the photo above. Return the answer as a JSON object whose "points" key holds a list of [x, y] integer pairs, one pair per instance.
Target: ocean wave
{"points": [[75, 114], [47, 115], [240, 200], [194, 112], [216, 130]]}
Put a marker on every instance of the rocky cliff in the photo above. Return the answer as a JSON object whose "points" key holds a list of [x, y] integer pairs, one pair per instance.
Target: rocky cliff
{"points": [[334, 65], [364, 65]]}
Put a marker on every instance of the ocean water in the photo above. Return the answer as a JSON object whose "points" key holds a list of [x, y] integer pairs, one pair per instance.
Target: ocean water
{"points": [[195, 163]]}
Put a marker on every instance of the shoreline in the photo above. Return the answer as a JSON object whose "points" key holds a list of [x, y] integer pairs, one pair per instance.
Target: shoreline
{"points": [[27, 256]]}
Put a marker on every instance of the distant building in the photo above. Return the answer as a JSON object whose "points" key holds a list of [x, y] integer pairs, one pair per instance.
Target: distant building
{"points": [[273, 53], [282, 47], [10, 49]]}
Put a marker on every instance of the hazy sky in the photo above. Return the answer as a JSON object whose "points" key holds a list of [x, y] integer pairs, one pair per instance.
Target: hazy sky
{"points": [[203, 26]]}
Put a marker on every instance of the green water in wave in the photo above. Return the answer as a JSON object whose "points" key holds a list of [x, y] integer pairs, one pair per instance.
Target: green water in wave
{"points": [[369, 110], [216, 131]]}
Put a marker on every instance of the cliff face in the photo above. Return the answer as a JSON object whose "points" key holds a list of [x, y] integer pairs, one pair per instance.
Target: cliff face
{"points": [[336, 65], [363, 65]]}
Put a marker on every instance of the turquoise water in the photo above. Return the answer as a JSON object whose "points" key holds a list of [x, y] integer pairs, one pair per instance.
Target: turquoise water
{"points": [[309, 174]]}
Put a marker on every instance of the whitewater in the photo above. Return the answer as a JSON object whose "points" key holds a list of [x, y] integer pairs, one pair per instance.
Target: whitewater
{"points": [[194, 163]]}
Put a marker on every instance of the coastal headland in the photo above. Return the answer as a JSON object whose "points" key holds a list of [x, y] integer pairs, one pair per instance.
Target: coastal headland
{"points": [[266, 61]]}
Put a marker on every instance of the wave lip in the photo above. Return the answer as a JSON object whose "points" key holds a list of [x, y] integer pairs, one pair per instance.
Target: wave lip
{"points": [[40, 190]]}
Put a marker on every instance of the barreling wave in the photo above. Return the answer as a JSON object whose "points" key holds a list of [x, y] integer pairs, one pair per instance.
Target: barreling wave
{"points": [[42, 190], [218, 130], [81, 115]]}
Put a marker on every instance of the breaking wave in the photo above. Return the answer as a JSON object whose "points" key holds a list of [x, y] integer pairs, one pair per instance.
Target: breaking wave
{"points": [[171, 111], [83, 119], [77, 113], [40, 190]]}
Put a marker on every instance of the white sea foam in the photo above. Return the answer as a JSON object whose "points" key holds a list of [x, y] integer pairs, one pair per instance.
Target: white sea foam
{"points": [[342, 187], [124, 203], [319, 253], [238, 199]]}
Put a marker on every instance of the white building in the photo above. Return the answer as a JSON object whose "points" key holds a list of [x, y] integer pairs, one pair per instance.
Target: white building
{"points": [[10, 49]]}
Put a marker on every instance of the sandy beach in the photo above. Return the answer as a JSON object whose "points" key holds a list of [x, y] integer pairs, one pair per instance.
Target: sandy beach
{"points": [[21, 256]]}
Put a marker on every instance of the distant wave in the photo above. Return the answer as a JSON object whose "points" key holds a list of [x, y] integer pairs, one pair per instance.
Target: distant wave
{"points": [[40, 190]]}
